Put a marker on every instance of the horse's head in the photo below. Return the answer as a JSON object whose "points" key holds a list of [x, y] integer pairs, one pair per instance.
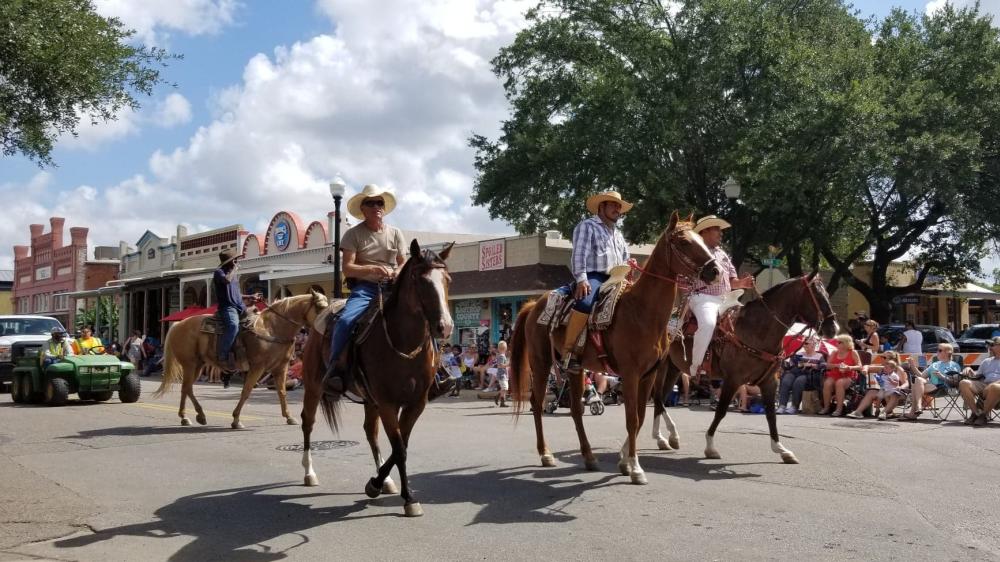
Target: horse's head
{"points": [[689, 255], [822, 313], [428, 274]]}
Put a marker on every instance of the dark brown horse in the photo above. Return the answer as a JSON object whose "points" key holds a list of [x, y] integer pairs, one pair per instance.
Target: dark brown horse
{"points": [[749, 355], [395, 368], [635, 342]]}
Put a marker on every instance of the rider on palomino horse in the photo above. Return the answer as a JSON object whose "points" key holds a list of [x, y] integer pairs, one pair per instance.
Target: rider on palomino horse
{"points": [[598, 245], [705, 300], [372, 252], [226, 284]]}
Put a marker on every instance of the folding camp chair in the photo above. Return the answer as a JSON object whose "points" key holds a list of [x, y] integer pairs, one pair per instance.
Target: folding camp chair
{"points": [[949, 393]]}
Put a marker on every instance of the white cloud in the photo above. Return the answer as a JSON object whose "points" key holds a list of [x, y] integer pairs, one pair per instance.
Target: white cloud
{"points": [[991, 7], [390, 98], [172, 110], [91, 133], [152, 20]]}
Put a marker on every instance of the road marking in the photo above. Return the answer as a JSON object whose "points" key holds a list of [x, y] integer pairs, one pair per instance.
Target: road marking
{"points": [[191, 411]]}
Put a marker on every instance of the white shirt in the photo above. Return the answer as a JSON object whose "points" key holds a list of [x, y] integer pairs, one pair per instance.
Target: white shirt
{"points": [[914, 341]]}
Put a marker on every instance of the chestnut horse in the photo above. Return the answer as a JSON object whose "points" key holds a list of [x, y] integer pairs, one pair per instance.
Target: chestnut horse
{"points": [[635, 342], [751, 355], [395, 369], [187, 348]]}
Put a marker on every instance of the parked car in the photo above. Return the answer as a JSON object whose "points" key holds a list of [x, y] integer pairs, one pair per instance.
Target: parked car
{"points": [[933, 335], [14, 329], [974, 337]]}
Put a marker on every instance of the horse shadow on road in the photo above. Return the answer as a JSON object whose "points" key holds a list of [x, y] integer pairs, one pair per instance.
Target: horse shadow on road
{"points": [[138, 431]]}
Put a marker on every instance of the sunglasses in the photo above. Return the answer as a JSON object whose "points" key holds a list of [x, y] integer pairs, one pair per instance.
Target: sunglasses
{"points": [[376, 203]]}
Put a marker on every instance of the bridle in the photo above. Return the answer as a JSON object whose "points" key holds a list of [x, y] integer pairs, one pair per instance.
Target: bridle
{"points": [[272, 339], [682, 280], [433, 262]]}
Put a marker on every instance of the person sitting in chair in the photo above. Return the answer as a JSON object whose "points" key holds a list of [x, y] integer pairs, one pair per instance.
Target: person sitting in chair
{"points": [[598, 245], [226, 285], [928, 381], [373, 251], [985, 385], [57, 348], [705, 300], [88, 343]]}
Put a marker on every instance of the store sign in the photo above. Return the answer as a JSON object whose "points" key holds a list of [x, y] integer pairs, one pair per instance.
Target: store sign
{"points": [[491, 255], [467, 313], [43, 273], [282, 235], [908, 299]]}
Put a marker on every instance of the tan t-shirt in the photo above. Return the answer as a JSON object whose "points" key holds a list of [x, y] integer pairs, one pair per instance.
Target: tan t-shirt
{"points": [[374, 248]]}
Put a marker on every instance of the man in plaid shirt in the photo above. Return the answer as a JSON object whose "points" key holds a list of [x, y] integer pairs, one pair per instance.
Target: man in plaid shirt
{"points": [[598, 246], [706, 299]]}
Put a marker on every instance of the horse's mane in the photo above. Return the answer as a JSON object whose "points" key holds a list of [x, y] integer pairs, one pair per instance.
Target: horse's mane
{"points": [[770, 293]]}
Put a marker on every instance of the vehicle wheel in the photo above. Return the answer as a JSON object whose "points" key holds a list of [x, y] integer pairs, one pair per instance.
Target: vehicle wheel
{"points": [[17, 390], [31, 395], [129, 388], [101, 396], [596, 408], [84, 395], [56, 392]]}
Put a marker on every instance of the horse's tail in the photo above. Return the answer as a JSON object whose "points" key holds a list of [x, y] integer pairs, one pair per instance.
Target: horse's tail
{"points": [[313, 369], [520, 371], [173, 371]]}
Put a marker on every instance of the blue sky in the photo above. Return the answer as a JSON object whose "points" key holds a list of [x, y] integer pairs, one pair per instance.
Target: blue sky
{"points": [[276, 98]]}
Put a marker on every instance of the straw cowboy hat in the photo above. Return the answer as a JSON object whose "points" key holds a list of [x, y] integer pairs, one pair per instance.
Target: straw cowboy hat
{"points": [[226, 257], [370, 191], [710, 221], [594, 201]]}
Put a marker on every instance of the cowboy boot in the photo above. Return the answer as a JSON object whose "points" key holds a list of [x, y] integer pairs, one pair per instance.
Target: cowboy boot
{"points": [[576, 325], [337, 379]]}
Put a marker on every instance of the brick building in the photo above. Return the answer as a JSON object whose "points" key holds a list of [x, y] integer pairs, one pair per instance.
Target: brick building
{"points": [[47, 270]]}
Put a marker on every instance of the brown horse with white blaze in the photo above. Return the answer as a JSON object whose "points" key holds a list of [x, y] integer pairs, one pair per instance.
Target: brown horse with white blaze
{"points": [[635, 342], [268, 348], [395, 369], [750, 354]]}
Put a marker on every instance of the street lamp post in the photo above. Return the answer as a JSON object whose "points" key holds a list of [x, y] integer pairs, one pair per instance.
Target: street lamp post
{"points": [[337, 189], [732, 189]]}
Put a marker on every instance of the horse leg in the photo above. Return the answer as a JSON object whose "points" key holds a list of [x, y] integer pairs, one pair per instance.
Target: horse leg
{"points": [[576, 410], [182, 410], [539, 383], [187, 388], [310, 401], [279, 385], [767, 389], [248, 383], [629, 461], [371, 432], [665, 379], [726, 393], [406, 421]]}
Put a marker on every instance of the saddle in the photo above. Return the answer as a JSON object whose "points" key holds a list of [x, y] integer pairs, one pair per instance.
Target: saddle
{"points": [[210, 324], [326, 320]]}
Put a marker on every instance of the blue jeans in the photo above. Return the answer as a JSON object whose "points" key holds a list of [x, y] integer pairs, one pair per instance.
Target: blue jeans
{"points": [[361, 295], [230, 319], [793, 382], [595, 279]]}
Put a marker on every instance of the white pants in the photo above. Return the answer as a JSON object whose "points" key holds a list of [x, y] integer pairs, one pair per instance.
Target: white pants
{"points": [[706, 309]]}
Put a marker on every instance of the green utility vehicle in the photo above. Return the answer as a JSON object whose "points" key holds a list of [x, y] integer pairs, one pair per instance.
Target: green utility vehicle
{"points": [[91, 377]]}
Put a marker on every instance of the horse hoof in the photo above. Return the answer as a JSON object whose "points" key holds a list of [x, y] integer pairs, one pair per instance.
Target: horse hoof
{"points": [[238, 425], [639, 478], [201, 419], [711, 454], [291, 421], [548, 461], [663, 445], [389, 487], [311, 480], [591, 464], [675, 443], [371, 490], [789, 458], [185, 422], [623, 468], [413, 509]]}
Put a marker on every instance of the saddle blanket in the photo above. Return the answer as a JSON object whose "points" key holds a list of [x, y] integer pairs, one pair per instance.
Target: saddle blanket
{"points": [[211, 325], [326, 318], [559, 305]]}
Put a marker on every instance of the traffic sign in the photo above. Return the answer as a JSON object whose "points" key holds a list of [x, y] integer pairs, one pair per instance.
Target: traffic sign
{"points": [[771, 262]]}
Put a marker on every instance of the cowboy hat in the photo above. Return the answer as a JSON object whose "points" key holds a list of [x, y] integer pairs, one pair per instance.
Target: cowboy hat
{"points": [[710, 221], [226, 257], [594, 201], [370, 191]]}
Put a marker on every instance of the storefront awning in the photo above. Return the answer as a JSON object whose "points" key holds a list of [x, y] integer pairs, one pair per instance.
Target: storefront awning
{"points": [[525, 279], [968, 291]]}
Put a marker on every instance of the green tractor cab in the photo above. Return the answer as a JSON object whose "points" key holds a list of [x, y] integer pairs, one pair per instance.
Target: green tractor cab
{"points": [[91, 377]]}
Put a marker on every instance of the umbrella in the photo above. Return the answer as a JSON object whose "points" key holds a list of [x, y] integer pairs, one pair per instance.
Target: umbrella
{"points": [[193, 310], [797, 332]]}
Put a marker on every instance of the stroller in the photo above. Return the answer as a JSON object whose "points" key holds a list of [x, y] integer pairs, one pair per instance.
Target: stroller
{"points": [[560, 388]]}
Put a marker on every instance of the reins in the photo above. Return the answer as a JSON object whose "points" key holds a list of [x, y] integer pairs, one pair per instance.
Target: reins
{"points": [[269, 338], [385, 329]]}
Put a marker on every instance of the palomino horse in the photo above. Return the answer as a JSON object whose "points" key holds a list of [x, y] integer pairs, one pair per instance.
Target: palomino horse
{"points": [[750, 354], [395, 369], [635, 342], [267, 349]]}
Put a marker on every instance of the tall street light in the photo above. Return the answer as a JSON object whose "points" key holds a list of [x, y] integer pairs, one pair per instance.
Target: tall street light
{"points": [[337, 189], [732, 189]]}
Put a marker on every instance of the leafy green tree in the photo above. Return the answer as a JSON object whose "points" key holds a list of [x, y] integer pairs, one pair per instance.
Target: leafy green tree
{"points": [[109, 313], [60, 62]]}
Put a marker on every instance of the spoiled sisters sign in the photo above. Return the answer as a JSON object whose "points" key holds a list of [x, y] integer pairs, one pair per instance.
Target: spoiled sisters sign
{"points": [[491, 255]]}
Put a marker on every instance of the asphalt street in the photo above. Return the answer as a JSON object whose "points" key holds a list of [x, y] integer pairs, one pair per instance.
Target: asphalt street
{"points": [[126, 482]]}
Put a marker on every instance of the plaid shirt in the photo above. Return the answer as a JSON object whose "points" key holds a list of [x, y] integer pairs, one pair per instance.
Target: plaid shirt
{"points": [[726, 272], [596, 247]]}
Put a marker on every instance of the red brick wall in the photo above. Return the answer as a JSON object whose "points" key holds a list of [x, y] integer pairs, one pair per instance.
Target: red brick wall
{"points": [[96, 275]]}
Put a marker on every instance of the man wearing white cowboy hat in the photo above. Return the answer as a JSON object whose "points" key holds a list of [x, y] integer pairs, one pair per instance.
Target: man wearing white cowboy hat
{"points": [[226, 285], [372, 252], [706, 300], [598, 245]]}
